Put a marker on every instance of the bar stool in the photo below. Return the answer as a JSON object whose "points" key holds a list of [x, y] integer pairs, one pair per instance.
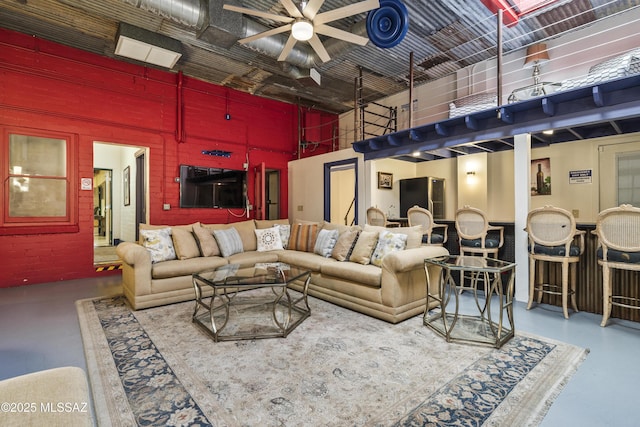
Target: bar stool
{"points": [[618, 231], [477, 237], [552, 232], [421, 216], [376, 217]]}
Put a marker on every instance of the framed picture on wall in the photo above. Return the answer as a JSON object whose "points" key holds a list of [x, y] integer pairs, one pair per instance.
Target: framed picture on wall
{"points": [[385, 180], [541, 177], [126, 189]]}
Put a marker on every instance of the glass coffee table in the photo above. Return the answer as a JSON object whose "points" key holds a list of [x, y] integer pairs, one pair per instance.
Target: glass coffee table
{"points": [[490, 319], [250, 302]]}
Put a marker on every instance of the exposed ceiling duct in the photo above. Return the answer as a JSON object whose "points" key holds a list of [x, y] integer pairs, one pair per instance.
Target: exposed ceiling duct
{"points": [[224, 28]]}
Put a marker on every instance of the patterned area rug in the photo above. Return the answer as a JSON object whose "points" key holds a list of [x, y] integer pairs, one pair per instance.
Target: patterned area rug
{"points": [[338, 368]]}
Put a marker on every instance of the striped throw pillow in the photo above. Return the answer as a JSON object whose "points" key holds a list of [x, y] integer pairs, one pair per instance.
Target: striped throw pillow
{"points": [[303, 237]]}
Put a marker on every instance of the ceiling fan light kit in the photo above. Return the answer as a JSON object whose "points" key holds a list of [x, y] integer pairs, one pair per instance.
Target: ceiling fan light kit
{"points": [[305, 23], [302, 30]]}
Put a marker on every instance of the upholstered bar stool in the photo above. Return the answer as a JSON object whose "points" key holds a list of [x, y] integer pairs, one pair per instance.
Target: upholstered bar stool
{"points": [[618, 231], [378, 218], [552, 234], [477, 237], [421, 216]]}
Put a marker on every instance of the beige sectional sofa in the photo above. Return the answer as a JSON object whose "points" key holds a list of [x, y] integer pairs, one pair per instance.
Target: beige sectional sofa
{"points": [[393, 289]]}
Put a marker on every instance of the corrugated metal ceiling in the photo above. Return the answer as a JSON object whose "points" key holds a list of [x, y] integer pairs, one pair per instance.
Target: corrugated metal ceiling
{"points": [[444, 35]]}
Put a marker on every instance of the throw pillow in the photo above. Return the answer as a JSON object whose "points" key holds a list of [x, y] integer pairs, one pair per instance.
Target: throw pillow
{"points": [[206, 241], [285, 233], [364, 247], [159, 244], [303, 237], [342, 250], [184, 243], [228, 241], [325, 242], [388, 242], [414, 234], [268, 239]]}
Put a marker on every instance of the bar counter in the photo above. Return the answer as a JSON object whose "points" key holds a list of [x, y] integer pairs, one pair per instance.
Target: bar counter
{"points": [[589, 282]]}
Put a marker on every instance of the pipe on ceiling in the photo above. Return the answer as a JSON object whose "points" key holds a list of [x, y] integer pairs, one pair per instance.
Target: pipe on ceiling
{"points": [[193, 14]]}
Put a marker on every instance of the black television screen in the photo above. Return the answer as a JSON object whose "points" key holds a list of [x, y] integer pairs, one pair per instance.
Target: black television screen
{"points": [[202, 187]]}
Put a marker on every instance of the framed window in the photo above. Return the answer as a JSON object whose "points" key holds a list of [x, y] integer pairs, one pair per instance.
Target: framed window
{"points": [[38, 195]]}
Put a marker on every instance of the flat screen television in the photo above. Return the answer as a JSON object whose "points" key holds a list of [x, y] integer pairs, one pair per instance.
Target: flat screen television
{"points": [[202, 187]]}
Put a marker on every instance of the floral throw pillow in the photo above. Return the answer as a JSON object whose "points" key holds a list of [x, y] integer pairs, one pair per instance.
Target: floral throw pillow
{"points": [[159, 244], [388, 242], [285, 233], [268, 239]]}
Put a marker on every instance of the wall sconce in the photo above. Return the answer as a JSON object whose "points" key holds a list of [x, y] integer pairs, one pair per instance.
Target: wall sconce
{"points": [[471, 177]]}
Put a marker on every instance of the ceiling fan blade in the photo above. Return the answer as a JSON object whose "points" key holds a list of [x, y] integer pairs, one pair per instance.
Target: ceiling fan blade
{"points": [[292, 9], [311, 9], [343, 12], [267, 33], [287, 48], [317, 45], [261, 14], [340, 34]]}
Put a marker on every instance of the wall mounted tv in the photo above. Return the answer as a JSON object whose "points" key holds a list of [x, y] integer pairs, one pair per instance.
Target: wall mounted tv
{"points": [[202, 187]]}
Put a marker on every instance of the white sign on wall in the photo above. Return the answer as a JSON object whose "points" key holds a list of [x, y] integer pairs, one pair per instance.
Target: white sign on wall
{"points": [[86, 184], [580, 176]]}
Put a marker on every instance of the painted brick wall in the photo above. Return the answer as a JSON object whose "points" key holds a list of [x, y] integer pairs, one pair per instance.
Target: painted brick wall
{"points": [[44, 85]]}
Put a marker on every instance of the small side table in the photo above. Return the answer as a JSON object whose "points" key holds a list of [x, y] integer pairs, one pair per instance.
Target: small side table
{"points": [[482, 328], [533, 91]]}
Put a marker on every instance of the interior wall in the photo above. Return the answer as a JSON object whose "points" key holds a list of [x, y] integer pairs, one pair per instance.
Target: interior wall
{"points": [[51, 87], [306, 185]]}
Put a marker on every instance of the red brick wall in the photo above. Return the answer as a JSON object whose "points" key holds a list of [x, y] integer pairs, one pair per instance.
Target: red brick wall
{"points": [[44, 85]]}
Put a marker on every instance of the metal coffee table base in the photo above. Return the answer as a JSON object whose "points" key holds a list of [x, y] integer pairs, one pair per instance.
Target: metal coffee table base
{"points": [[250, 312]]}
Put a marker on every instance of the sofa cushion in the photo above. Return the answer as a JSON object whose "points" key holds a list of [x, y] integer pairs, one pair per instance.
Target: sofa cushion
{"points": [[388, 242], [159, 244], [185, 267], [184, 243], [342, 250], [325, 242], [363, 249], [228, 241], [303, 237], [244, 228], [268, 223], [248, 259], [206, 241], [268, 239], [306, 260], [369, 275], [414, 234]]}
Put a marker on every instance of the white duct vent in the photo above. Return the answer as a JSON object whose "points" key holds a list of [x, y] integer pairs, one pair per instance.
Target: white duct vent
{"points": [[146, 46]]}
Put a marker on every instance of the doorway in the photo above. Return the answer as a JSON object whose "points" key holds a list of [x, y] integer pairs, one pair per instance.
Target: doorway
{"points": [[102, 211], [272, 188], [341, 192]]}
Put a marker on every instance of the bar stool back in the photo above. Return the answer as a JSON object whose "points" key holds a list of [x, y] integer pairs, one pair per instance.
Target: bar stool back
{"points": [[552, 234], [618, 231]]}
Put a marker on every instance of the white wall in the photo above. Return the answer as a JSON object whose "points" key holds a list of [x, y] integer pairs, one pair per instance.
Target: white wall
{"points": [[306, 185]]}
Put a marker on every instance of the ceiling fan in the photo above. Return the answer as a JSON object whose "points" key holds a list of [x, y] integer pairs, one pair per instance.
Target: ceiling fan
{"points": [[305, 23]]}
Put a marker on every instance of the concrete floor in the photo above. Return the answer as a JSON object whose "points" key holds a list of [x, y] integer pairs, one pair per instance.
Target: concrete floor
{"points": [[39, 330]]}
